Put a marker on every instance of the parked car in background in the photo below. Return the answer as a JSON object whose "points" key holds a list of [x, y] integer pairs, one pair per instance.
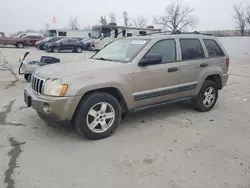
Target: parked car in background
{"points": [[18, 42], [31, 34], [65, 44], [33, 38], [88, 43], [40, 44]]}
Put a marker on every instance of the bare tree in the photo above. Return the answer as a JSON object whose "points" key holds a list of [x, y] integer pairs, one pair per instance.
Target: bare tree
{"points": [[177, 17], [73, 23], [103, 20], [125, 18], [44, 30], [112, 17], [248, 15], [240, 18], [140, 21]]}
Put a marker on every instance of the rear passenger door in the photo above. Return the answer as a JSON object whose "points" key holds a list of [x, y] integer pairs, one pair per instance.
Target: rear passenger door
{"points": [[72, 44], [193, 59]]}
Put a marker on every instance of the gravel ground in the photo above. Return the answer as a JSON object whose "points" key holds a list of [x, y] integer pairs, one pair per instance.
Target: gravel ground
{"points": [[172, 146]]}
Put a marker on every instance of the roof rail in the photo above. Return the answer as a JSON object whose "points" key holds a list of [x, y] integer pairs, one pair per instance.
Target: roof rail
{"points": [[157, 32], [175, 33], [194, 32]]}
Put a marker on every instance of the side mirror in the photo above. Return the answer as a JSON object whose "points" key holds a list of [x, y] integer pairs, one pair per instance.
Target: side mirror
{"points": [[150, 60]]}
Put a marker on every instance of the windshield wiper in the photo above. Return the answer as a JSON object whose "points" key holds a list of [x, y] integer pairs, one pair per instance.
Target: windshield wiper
{"points": [[102, 58]]}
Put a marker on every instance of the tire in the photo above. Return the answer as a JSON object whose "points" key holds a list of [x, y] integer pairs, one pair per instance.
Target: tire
{"points": [[200, 102], [19, 45], [55, 50], [93, 103], [27, 77], [79, 50]]}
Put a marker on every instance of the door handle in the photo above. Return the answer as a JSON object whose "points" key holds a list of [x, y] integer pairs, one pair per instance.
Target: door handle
{"points": [[174, 69], [203, 65]]}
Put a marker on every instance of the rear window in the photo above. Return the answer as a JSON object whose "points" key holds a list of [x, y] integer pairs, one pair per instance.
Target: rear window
{"points": [[213, 48], [191, 49]]}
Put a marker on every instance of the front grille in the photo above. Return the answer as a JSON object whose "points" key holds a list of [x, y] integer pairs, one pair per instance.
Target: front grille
{"points": [[37, 84]]}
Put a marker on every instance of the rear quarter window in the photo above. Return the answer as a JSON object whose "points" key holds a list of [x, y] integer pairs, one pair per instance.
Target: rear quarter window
{"points": [[213, 48], [191, 49]]}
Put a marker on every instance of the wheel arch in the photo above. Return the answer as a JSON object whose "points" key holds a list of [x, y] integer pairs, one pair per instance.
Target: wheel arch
{"points": [[215, 78], [115, 92]]}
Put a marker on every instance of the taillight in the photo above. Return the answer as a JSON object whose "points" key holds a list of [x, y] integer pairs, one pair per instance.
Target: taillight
{"points": [[227, 62]]}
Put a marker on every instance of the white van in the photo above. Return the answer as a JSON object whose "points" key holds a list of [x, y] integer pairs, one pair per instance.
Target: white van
{"points": [[67, 33]]}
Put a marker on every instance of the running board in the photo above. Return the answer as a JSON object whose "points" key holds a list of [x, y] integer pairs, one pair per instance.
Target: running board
{"points": [[162, 104]]}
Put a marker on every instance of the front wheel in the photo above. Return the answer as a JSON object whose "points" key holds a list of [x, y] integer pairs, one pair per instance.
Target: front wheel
{"points": [[27, 77], [98, 116], [56, 50], [207, 97]]}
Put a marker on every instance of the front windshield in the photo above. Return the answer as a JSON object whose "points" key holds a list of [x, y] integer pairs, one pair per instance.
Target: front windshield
{"points": [[61, 40], [95, 33], [86, 39], [122, 50], [47, 38]]}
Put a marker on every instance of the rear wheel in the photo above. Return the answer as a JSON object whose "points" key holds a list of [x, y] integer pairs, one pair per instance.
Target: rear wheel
{"points": [[19, 45], [78, 49], [207, 97], [98, 116]]}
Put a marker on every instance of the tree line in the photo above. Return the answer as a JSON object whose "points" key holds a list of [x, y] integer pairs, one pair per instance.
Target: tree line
{"points": [[176, 17], [242, 18]]}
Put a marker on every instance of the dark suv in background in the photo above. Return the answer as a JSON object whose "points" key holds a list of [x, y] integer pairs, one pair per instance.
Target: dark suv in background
{"points": [[40, 44], [65, 44]]}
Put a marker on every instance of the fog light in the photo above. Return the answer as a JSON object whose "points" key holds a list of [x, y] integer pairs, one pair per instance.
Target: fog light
{"points": [[46, 108]]}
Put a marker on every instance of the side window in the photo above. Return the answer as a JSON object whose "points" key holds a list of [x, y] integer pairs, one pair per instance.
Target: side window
{"points": [[191, 49], [213, 48], [73, 41], [65, 41], [165, 48], [62, 33]]}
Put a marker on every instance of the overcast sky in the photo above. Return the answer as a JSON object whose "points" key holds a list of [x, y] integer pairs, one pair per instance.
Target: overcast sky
{"points": [[33, 14]]}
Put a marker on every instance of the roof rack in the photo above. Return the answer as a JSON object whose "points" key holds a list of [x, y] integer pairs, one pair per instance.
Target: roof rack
{"points": [[194, 32], [157, 32], [175, 33]]}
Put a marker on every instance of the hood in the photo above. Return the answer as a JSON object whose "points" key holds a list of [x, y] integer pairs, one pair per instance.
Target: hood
{"points": [[62, 70]]}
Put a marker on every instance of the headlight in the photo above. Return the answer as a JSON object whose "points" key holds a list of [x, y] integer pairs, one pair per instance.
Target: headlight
{"points": [[54, 88]]}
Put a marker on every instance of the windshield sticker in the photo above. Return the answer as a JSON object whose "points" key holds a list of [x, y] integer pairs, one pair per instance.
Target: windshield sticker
{"points": [[138, 42]]}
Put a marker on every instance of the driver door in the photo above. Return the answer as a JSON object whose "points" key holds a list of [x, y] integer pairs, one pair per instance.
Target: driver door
{"points": [[158, 83]]}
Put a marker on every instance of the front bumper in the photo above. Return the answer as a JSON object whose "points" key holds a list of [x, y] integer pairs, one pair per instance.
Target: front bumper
{"points": [[61, 109]]}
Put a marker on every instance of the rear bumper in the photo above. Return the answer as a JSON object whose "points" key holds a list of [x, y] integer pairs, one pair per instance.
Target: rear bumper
{"points": [[224, 79]]}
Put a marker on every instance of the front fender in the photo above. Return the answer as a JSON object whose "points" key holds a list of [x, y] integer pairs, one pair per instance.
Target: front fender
{"points": [[82, 86]]}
